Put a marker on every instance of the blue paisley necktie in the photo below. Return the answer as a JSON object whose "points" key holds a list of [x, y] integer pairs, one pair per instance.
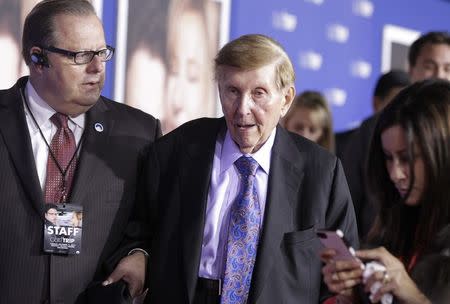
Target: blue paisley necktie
{"points": [[243, 235]]}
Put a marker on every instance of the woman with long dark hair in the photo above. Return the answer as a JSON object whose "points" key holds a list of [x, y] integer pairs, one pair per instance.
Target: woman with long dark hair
{"points": [[409, 181]]}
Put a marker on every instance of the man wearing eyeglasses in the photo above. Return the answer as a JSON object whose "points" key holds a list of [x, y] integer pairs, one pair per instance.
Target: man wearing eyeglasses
{"points": [[63, 143]]}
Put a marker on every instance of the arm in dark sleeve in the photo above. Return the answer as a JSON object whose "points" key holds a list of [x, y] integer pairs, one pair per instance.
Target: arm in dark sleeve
{"points": [[138, 233], [340, 215]]}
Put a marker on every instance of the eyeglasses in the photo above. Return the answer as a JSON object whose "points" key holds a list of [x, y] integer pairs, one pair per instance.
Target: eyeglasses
{"points": [[84, 57]]}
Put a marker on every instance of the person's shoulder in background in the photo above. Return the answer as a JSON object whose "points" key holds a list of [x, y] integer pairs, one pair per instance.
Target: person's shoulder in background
{"points": [[432, 273], [342, 139]]}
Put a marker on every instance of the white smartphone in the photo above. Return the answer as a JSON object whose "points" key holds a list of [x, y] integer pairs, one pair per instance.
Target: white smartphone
{"points": [[335, 240]]}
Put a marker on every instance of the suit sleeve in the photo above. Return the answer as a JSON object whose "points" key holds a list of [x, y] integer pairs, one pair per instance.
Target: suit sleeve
{"points": [[138, 230], [340, 215]]}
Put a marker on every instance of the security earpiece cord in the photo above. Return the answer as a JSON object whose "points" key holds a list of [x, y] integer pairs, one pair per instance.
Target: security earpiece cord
{"points": [[63, 172]]}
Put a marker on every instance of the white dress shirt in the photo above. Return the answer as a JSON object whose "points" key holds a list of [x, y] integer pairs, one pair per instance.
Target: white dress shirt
{"points": [[42, 112], [223, 189]]}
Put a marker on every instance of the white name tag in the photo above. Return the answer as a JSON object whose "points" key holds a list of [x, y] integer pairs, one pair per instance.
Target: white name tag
{"points": [[63, 228]]}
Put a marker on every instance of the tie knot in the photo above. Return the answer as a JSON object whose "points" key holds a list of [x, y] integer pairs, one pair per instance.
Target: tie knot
{"points": [[246, 165], [60, 120]]}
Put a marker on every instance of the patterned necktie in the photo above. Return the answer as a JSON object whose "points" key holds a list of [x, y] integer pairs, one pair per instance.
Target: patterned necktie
{"points": [[243, 235], [63, 147]]}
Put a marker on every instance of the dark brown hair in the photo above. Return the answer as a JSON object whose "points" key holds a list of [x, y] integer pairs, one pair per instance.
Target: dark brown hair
{"points": [[428, 38], [38, 29], [423, 111]]}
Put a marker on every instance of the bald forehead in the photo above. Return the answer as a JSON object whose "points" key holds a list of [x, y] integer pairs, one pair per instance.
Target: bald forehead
{"points": [[78, 29]]}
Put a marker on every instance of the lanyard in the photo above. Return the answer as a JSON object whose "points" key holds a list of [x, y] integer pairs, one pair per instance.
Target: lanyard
{"points": [[52, 154]]}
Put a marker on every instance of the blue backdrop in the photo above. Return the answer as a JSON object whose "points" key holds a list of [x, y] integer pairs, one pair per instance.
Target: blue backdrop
{"points": [[335, 45], [344, 36]]}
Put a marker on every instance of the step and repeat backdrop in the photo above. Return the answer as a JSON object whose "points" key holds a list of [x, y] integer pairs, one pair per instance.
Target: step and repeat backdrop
{"points": [[340, 47], [165, 48]]}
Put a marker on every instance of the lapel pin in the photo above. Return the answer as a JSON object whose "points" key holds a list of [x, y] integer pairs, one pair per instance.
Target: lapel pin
{"points": [[98, 127]]}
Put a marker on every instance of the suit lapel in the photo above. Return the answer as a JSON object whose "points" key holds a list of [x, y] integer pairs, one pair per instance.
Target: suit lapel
{"points": [[286, 173], [13, 128], [195, 179], [94, 145]]}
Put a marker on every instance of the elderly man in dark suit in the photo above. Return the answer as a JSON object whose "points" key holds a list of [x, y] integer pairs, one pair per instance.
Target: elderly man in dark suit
{"points": [[238, 199], [63, 143]]}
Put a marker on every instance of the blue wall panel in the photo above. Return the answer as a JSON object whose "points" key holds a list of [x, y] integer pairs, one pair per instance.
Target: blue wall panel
{"points": [[303, 28], [109, 19]]}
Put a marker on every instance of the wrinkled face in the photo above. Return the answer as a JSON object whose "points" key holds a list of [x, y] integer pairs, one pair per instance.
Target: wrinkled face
{"points": [[433, 62], [187, 78], [306, 122], [70, 88], [51, 215], [252, 104], [395, 149]]}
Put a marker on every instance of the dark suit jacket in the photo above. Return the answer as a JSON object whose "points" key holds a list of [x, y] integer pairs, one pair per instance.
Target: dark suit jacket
{"points": [[306, 190], [342, 139], [354, 160], [105, 185]]}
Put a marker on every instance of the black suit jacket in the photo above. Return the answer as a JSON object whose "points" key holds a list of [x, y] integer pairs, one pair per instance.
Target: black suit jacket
{"points": [[306, 190], [105, 182], [342, 139], [354, 160]]}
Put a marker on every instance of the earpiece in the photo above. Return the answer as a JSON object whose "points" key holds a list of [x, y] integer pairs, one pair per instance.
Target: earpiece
{"points": [[39, 59]]}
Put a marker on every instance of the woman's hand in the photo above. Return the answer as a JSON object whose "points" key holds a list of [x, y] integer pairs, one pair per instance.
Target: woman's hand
{"points": [[341, 276], [394, 280]]}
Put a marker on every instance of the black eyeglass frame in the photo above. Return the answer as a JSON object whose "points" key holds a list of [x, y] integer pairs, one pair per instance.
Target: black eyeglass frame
{"points": [[74, 55]]}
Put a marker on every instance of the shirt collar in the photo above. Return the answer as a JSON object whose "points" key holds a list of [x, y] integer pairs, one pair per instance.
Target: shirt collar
{"points": [[230, 153], [42, 112]]}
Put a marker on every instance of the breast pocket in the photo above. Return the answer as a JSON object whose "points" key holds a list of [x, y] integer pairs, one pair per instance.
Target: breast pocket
{"points": [[302, 237], [300, 262]]}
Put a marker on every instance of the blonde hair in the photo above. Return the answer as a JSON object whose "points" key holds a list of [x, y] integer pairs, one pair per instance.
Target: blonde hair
{"points": [[253, 51], [316, 102]]}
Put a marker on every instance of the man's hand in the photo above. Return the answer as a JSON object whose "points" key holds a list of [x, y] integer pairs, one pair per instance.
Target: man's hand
{"points": [[131, 269]]}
